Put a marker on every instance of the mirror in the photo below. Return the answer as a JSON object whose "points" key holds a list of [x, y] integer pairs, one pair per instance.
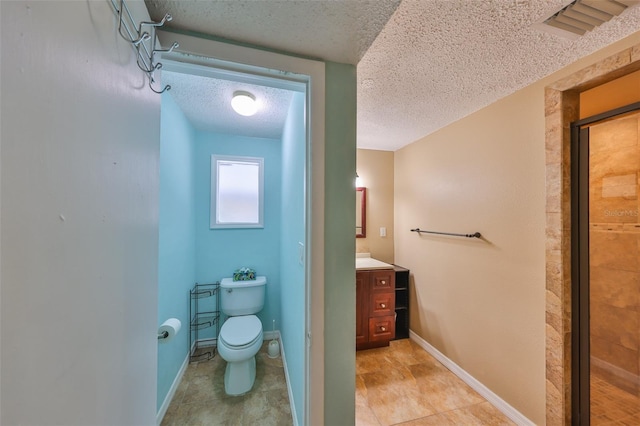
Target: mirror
{"points": [[361, 212], [237, 192]]}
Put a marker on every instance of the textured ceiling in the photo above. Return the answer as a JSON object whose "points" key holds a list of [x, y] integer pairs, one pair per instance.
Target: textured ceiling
{"points": [[434, 62], [335, 30], [206, 102], [437, 61]]}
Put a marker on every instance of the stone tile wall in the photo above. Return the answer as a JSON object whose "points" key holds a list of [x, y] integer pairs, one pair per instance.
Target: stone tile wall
{"points": [[615, 251]]}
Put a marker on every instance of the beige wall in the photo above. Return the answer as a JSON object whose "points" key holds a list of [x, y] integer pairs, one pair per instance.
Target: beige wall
{"points": [[482, 302], [375, 169], [614, 94]]}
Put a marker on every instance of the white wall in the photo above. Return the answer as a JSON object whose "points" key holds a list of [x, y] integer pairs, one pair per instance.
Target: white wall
{"points": [[79, 203]]}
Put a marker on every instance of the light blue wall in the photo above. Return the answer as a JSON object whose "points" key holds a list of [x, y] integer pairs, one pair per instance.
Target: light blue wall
{"points": [[176, 252], [292, 296], [220, 251], [340, 246]]}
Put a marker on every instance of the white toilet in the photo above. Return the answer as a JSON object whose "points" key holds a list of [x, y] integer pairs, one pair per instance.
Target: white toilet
{"points": [[241, 334]]}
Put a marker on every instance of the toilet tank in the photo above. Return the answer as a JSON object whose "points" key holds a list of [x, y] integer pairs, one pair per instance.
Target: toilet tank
{"points": [[242, 297]]}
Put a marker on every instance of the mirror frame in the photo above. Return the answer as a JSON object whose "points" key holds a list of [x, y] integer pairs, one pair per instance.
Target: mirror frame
{"points": [[362, 212]]}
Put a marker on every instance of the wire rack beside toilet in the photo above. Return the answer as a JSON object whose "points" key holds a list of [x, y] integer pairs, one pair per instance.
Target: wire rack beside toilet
{"points": [[204, 314]]}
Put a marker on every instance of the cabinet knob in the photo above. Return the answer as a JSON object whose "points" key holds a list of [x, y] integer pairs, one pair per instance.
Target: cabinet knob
{"points": [[383, 329], [382, 305], [384, 282]]}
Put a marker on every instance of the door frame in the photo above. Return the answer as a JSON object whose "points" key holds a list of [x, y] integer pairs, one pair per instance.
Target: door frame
{"points": [[580, 262], [226, 57], [561, 103]]}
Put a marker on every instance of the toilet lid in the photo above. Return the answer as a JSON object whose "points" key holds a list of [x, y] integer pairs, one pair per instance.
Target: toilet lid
{"points": [[239, 331]]}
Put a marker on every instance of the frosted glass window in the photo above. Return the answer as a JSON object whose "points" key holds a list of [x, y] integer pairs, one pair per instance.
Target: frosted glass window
{"points": [[237, 192]]}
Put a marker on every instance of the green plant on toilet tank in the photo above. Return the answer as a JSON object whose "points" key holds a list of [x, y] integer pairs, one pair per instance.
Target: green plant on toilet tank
{"points": [[244, 274]]}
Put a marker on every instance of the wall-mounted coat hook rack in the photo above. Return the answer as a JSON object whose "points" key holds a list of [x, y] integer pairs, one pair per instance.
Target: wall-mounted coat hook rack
{"points": [[474, 235], [143, 39]]}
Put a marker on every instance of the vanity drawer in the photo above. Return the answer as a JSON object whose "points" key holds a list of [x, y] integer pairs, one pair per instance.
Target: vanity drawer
{"points": [[383, 280], [382, 328], [382, 303]]}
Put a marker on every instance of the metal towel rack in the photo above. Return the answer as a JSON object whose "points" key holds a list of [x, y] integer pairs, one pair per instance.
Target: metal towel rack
{"points": [[474, 235], [143, 40]]}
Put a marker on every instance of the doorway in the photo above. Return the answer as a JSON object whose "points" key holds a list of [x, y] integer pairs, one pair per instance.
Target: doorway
{"points": [[605, 158], [306, 78]]}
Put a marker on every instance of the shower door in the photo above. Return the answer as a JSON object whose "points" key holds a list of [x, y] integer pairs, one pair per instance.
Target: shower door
{"points": [[606, 268]]}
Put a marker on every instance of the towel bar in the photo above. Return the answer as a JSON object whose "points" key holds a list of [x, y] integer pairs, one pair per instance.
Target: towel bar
{"points": [[474, 235]]}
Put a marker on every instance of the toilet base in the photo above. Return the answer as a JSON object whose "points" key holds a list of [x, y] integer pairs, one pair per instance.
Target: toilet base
{"points": [[239, 377]]}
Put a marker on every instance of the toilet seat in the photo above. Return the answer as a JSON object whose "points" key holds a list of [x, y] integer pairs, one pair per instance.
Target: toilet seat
{"points": [[240, 332]]}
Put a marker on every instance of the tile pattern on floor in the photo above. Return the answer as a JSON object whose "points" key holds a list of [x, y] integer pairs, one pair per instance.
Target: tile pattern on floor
{"points": [[610, 405], [200, 398], [403, 384]]}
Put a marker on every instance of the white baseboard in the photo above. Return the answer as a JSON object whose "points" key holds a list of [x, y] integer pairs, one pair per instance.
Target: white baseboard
{"points": [[513, 414], [286, 376], [172, 390]]}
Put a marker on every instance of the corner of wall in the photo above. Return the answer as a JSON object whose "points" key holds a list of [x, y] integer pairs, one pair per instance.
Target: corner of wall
{"points": [[340, 137]]}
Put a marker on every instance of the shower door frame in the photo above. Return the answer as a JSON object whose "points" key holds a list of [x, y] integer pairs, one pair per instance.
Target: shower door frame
{"points": [[580, 263]]}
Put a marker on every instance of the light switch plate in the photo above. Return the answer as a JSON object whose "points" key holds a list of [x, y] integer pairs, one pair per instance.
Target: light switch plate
{"points": [[383, 231], [301, 253]]}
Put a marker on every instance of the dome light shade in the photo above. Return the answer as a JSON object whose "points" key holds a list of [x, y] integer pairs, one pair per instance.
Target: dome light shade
{"points": [[244, 103]]}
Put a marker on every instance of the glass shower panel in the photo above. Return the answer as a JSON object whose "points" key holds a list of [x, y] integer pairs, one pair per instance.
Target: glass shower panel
{"points": [[614, 269]]}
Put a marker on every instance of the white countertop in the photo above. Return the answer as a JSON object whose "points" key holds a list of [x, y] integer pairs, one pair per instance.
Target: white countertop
{"points": [[364, 263]]}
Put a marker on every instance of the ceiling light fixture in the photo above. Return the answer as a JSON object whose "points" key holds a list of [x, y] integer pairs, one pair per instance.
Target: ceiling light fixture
{"points": [[580, 16], [244, 103]]}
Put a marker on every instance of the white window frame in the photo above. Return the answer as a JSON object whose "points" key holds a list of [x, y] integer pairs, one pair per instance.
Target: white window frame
{"points": [[216, 160]]}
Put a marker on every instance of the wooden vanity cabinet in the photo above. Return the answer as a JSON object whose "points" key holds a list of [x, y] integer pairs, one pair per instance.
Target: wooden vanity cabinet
{"points": [[375, 308]]}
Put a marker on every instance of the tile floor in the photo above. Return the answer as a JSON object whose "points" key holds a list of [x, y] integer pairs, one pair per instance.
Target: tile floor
{"points": [[399, 384], [403, 384], [611, 405], [200, 398]]}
